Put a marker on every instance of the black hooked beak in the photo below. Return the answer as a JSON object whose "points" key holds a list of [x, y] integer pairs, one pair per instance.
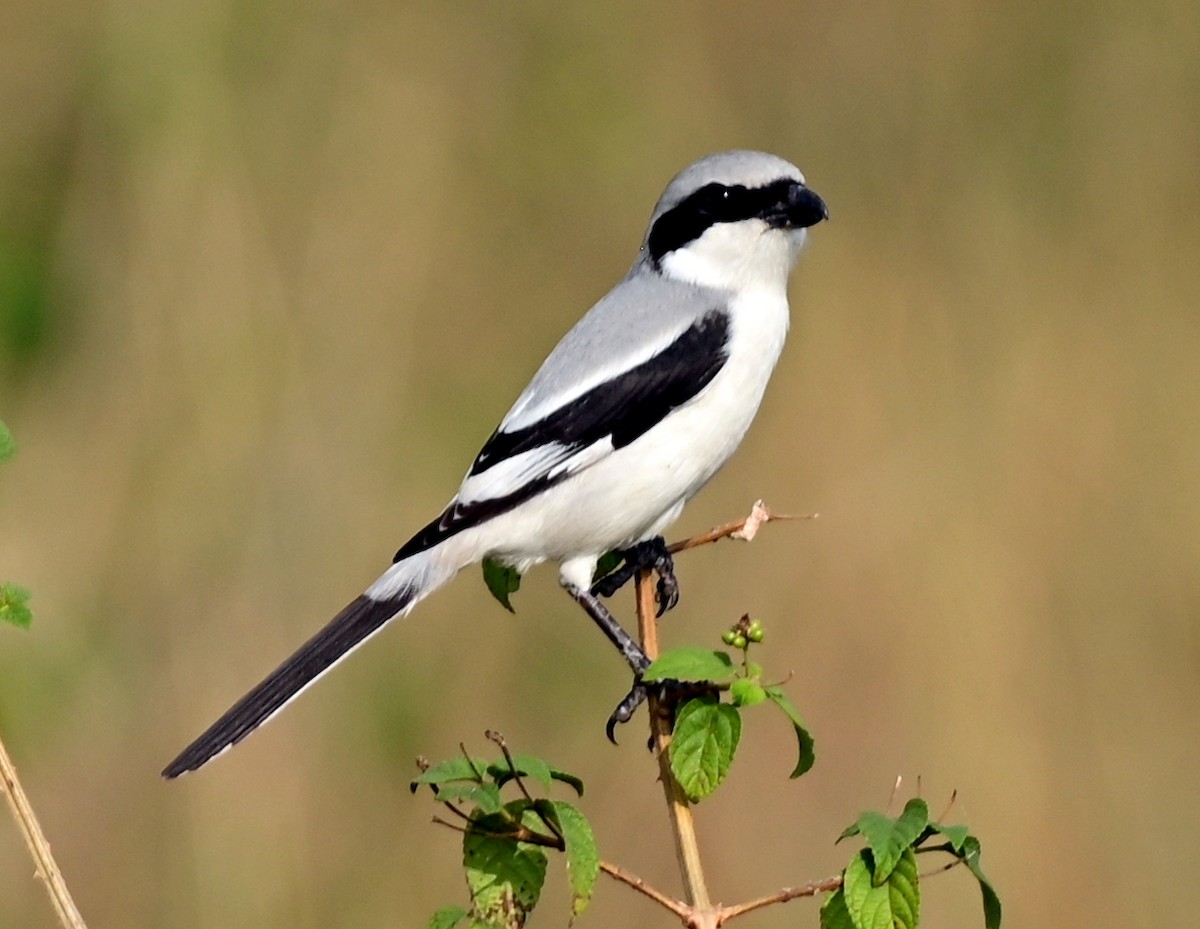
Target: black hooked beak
{"points": [[800, 209]]}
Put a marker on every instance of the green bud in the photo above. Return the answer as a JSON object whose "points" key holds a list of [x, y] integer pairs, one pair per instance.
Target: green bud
{"points": [[739, 641], [728, 636]]}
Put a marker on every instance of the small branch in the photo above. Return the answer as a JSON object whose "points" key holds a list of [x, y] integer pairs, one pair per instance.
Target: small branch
{"points": [[678, 907], [811, 889], [518, 833], [39, 848], [744, 529]]}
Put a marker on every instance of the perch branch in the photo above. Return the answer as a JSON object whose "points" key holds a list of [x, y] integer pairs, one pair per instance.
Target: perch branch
{"points": [[39, 848]]}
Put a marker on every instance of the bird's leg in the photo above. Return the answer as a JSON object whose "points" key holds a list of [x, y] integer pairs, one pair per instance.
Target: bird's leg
{"points": [[669, 692], [652, 554], [629, 649]]}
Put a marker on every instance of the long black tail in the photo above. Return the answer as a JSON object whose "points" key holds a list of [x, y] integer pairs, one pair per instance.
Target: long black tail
{"points": [[345, 632]]}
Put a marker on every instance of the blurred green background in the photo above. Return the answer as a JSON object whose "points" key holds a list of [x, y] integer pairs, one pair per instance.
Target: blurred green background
{"points": [[270, 274]]}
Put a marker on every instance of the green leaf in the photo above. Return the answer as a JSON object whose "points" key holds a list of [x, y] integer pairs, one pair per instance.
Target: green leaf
{"points": [[606, 564], [889, 838], [955, 835], [804, 740], [448, 917], [689, 663], [456, 769], [569, 779], [505, 877], [893, 904], [834, 914], [746, 692], [8, 445], [583, 858], [486, 797], [702, 747], [991, 901], [14, 606], [502, 581], [527, 766]]}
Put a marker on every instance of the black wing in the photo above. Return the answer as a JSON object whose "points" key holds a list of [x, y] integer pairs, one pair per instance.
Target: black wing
{"points": [[619, 410]]}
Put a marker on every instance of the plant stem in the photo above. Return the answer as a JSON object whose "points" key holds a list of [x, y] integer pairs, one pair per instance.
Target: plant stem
{"points": [[39, 848], [683, 826]]}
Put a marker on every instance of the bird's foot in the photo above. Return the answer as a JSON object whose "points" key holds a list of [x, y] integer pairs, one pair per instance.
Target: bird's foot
{"points": [[668, 694], [651, 555]]}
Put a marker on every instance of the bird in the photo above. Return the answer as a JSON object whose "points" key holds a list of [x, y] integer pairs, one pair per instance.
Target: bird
{"points": [[636, 408]]}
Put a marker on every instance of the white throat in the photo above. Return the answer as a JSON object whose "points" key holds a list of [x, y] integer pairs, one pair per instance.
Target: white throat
{"points": [[747, 255]]}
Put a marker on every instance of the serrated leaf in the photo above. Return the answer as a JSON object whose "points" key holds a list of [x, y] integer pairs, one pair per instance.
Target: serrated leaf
{"points": [[834, 914], [448, 917], [504, 877], [904, 886], [889, 837], [484, 796], [991, 900], [14, 606], [689, 663], [806, 755], [894, 904], [746, 692], [8, 445], [455, 769], [955, 835], [583, 858], [503, 581], [527, 766], [703, 744]]}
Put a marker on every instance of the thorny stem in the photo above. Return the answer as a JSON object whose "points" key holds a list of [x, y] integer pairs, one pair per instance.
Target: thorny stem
{"points": [[680, 909], [39, 848], [811, 889], [700, 912]]}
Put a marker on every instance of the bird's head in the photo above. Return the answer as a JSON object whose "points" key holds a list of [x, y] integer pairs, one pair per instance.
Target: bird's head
{"points": [[733, 220]]}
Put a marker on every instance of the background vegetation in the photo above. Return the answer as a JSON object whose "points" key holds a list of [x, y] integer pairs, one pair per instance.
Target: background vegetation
{"points": [[270, 273]]}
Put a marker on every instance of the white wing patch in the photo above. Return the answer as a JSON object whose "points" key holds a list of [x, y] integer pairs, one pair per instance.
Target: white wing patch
{"points": [[547, 462]]}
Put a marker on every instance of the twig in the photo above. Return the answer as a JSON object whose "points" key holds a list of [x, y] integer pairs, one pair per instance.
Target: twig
{"points": [[811, 889], [678, 907], [39, 848], [738, 529]]}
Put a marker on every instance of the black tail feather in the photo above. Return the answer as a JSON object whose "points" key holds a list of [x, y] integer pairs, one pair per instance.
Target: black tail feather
{"points": [[338, 638]]}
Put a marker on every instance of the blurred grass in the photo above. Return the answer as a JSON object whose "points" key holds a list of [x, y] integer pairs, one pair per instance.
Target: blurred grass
{"points": [[269, 274]]}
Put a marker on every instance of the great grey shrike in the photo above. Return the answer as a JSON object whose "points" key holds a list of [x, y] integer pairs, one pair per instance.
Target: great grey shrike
{"points": [[629, 416]]}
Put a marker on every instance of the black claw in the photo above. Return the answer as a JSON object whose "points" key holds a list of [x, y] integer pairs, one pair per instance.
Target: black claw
{"points": [[649, 555], [625, 709], [614, 580], [668, 593], [670, 694]]}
